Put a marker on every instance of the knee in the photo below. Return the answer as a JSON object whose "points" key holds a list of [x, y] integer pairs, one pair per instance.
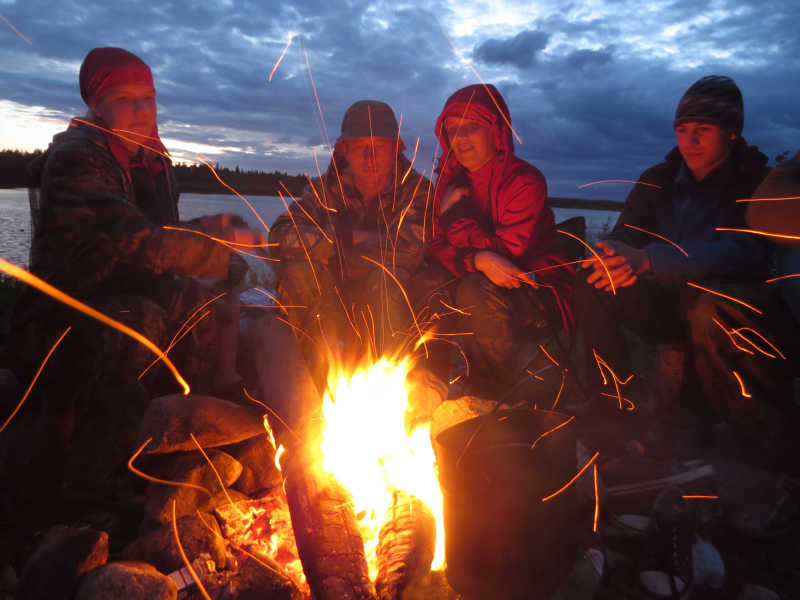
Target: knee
{"points": [[473, 290]]}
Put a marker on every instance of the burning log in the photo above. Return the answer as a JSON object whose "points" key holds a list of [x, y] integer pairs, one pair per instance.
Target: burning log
{"points": [[325, 528], [406, 545]]}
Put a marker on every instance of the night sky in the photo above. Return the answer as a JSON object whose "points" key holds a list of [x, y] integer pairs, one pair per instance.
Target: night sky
{"points": [[592, 86]]}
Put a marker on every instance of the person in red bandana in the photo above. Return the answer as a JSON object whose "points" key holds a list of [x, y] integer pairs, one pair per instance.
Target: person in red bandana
{"points": [[494, 231], [107, 190]]}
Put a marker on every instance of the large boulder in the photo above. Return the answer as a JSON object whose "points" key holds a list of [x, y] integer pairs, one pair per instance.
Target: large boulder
{"points": [[54, 568], [189, 468], [128, 580], [259, 472], [169, 420], [198, 533]]}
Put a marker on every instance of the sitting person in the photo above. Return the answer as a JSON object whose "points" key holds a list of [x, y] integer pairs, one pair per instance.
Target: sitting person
{"points": [[341, 243], [107, 191], [667, 241], [493, 229]]}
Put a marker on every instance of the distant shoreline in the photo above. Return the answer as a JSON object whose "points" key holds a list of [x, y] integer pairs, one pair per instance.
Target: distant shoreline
{"points": [[555, 201]]}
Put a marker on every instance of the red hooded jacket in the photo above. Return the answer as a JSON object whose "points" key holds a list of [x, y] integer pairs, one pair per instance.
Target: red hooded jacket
{"points": [[518, 222]]}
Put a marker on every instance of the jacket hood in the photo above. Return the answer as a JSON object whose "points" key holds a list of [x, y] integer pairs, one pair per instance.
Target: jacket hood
{"points": [[482, 103]]}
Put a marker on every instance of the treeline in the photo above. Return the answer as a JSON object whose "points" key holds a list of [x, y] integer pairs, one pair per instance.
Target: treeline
{"points": [[14, 167], [195, 179], [198, 179]]}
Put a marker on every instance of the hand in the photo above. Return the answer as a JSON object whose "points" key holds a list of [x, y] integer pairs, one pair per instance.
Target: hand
{"points": [[246, 236], [451, 196], [624, 263], [501, 271]]}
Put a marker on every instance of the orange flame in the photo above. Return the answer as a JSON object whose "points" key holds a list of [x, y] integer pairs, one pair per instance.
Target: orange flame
{"points": [[782, 236], [14, 29], [742, 389], [574, 478], [596, 255], [280, 58]]}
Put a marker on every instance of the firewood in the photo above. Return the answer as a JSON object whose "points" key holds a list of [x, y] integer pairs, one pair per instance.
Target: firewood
{"points": [[406, 545], [325, 528]]}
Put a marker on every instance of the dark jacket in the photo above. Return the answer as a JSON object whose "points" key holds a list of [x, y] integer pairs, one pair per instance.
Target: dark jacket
{"points": [[331, 208], [712, 255], [90, 236]]}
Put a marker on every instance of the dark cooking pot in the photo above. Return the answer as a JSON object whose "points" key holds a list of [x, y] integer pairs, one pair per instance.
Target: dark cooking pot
{"points": [[501, 540]]}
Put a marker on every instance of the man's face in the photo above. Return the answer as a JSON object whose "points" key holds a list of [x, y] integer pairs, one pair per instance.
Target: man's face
{"points": [[703, 146], [471, 141], [129, 107], [370, 159]]}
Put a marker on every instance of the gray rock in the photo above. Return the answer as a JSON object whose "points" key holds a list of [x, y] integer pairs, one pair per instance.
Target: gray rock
{"points": [[66, 553], [188, 468], [257, 457], [128, 580], [258, 580], [198, 534], [756, 592], [170, 419], [223, 499]]}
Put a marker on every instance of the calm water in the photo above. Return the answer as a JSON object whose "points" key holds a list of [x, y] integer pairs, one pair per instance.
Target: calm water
{"points": [[15, 233]]}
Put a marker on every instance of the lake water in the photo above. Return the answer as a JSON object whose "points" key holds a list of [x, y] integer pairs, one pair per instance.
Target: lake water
{"points": [[15, 228]]}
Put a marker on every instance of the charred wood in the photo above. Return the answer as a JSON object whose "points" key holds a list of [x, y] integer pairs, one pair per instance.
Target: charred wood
{"points": [[325, 528], [406, 545]]}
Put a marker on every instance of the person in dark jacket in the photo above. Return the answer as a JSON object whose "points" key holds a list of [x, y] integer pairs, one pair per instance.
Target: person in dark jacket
{"points": [[349, 244], [100, 234], [494, 233], [671, 238]]}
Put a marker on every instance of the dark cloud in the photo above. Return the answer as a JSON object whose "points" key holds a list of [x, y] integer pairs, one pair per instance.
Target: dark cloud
{"points": [[592, 92], [520, 51]]}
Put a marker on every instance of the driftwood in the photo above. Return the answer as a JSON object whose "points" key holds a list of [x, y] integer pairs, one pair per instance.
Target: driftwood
{"points": [[406, 544], [325, 528]]}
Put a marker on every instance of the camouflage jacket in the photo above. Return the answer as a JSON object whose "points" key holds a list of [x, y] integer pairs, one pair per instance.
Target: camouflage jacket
{"points": [[331, 208], [90, 237]]}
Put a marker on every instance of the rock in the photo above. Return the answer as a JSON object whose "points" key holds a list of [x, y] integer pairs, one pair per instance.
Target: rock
{"points": [[65, 553], [756, 592], [198, 534], [258, 580], [222, 499], [426, 392], [170, 419], [128, 580], [452, 412], [188, 468], [257, 457], [10, 388]]}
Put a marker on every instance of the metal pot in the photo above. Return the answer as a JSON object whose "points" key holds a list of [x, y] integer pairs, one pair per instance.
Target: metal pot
{"points": [[501, 540]]}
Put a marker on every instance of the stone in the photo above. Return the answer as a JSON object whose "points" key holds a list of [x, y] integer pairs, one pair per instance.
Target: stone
{"points": [[259, 579], [198, 533], [128, 580], [169, 420], [259, 472], [453, 412], [52, 571], [224, 499], [188, 468]]}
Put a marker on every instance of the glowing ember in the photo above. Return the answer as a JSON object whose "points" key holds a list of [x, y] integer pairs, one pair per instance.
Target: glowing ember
{"points": [[366, 446], [266, 530]]}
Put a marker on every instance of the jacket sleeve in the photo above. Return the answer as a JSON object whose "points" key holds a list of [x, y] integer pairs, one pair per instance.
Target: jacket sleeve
{"points": [[726, 255], [88, 229], [308, 229], [641, 210], [524, 219]]}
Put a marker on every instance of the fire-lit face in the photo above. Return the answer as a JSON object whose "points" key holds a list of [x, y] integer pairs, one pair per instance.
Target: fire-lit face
{"points": [[370, 160], [704, 146], [129, 107], [472, 142]]}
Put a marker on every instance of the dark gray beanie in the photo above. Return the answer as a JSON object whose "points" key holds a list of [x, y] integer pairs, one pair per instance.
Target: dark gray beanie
{"points": [[714, 99], [369, 118]]}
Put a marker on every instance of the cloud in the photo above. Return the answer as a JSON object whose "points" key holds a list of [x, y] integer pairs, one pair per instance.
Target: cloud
{"points": [[519, 51], [592, 86]]}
